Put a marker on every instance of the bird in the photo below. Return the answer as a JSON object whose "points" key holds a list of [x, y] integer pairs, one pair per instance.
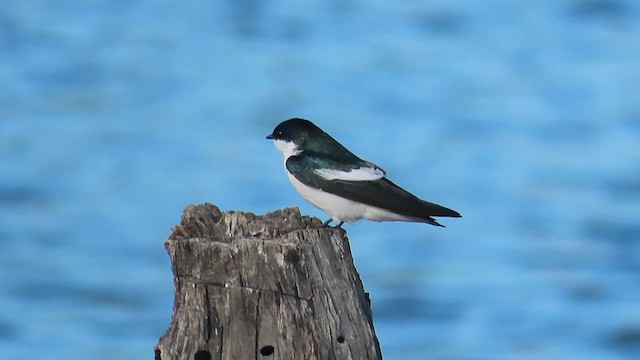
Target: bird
{"points": [[341, 184]]}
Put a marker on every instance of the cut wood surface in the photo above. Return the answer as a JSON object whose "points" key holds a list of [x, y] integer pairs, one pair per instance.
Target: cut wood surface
{"points": [[277, 286]]}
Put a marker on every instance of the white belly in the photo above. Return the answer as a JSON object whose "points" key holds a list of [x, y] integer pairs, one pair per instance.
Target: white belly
{"points": [[341, 209]]}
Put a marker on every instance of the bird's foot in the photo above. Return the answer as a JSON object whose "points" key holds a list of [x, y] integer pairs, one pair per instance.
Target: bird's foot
{"points": [[326, 224]]}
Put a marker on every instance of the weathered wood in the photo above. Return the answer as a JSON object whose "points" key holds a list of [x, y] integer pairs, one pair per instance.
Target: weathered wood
{"points": [[276, 286]]}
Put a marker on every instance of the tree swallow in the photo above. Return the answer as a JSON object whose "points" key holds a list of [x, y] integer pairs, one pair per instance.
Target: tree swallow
{"points": [[341, 184]]}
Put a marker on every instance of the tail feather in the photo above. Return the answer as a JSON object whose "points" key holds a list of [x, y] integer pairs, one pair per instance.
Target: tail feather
{"points": [[437, 210], [432, 221]]}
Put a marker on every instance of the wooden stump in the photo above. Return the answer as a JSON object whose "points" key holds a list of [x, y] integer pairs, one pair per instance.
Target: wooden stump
{"points": [[276, 286]]}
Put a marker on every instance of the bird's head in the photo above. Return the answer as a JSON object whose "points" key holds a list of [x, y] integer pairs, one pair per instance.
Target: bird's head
{"points": [[296, 135]]}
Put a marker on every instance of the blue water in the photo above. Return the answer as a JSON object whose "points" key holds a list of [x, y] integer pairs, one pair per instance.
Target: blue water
{"points": [[522, 115]]}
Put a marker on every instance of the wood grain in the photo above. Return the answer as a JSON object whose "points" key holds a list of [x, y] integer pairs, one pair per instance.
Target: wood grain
{"points": [[277, 286]]}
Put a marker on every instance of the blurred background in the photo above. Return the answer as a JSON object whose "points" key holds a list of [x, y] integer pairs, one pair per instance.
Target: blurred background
{"points": [[523, 116]]}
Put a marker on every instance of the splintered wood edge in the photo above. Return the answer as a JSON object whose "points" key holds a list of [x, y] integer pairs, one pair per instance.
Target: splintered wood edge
{"points": [[208, 221]]}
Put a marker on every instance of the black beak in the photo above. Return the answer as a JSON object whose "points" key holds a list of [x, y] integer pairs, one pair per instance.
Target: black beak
{"points": [[270, 136]]}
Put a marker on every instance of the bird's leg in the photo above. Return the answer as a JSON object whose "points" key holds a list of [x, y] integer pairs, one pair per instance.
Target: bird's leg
{"points": [[326, 223], [339, 226]]}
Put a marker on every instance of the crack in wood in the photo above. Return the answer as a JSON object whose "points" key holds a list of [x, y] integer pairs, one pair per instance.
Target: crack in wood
{"points": [[256, 351], [235, 263], [209, 319]]}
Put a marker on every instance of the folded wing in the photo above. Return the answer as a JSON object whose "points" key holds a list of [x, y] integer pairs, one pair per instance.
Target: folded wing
{"points": [[365, 183]]}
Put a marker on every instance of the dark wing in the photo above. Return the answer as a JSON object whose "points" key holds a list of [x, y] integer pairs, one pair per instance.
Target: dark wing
{"points": [[380, 193]]}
